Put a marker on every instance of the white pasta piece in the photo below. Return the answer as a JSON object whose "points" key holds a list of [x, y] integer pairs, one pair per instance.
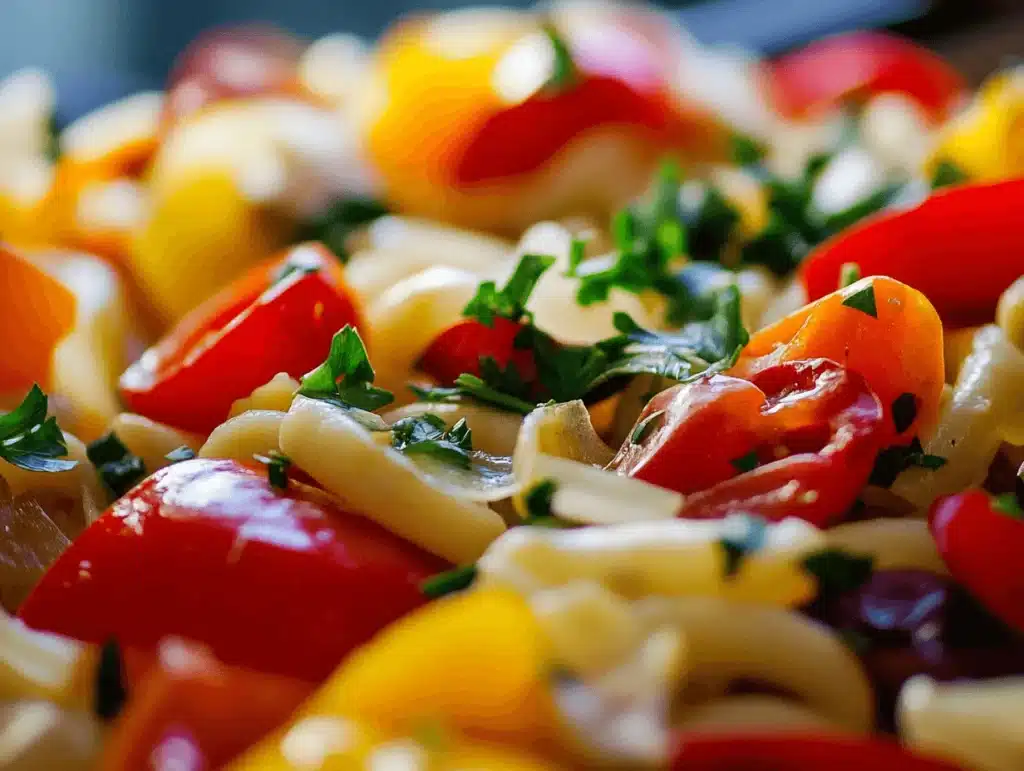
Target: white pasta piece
{"points": [[850, 177], [150, 440], [410, 315], [987, 407], [494, 431], [37, 734], [102, 132], [662, 558], [333, 67], [80, 484], [276, 394], [384, 485], [753, 712], [1010, 313], [896, 130], [40, 665], [895, 544], [977, 724], [732, 641], [251, 433]]}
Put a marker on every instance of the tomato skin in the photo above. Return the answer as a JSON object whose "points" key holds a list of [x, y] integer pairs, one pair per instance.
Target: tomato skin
{"points": [[794, 752], [864, 63], [982, 546], [961, 247], [814, 427], [459, 348], [284, 582], [240, 338]]}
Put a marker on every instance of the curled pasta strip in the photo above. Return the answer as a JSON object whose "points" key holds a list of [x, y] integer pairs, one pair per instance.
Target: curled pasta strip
{"points": [[731, 641], [895, 544], [276, 394], [755, 712], [254, 432], [671, 558], [39, 665], [986, 408], [150, 440], [1010, 313], [978, 724], [383, 484]]}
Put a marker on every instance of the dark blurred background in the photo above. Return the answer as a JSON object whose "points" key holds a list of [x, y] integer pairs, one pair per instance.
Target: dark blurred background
{"points": [[99, 49]]}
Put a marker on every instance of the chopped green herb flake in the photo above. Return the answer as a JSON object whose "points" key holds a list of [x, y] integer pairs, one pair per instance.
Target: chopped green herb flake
{"points": [[745, 463], [510, 302], [118, 468], [577, 252], [563, 68], [746, 151], [277, 468], [897, 458], [948, 173], [849, 273], [30, 440], [180, 454], [837, 571], [1007, 503], [646, 426], [745, 535], [345, 379], [453, 580], [110, 692], [334, 227], [904, 411], [474, 387], [429, 435], [863, 300], [538, 498]]}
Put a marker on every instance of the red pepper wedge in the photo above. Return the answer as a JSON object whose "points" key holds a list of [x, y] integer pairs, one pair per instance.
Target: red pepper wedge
{"points": [[798, 439], [859, 64], [280, 581], [795, 752], [460, 347], [190, 696], [280, 317], [961, 247], [981, 540]]}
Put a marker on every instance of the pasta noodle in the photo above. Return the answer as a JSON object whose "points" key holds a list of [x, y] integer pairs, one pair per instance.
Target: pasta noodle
{"points": [[252, 433], [150, 440], [753, 712], [276, 394], [894, 544]]}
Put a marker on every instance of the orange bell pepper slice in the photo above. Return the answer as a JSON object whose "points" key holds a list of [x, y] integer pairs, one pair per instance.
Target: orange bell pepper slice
{"points": [[37, 312], [897, 349]]}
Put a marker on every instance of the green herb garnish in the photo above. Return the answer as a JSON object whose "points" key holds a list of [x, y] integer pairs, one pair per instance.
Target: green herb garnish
{"points": [[429, 435], [904, 411], [345, 379], [646, 426], [745, 463], [838, 571], [180, 454], [453, 580], [948, 173], [563, 68], [897, 458], [577, 252], [849, 273], [340, 221], [509, 302], [863, 300], [111, 692], [1008, 503], [277, 464], [746, 536], [118, 468], [30, 440], [746, 151], [52, 149]]}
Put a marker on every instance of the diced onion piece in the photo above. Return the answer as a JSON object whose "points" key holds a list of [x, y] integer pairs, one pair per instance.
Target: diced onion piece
{"points": [[383, 484]]}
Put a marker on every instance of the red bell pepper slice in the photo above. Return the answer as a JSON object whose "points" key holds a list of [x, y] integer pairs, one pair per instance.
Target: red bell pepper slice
{"points": [[859, 64], [794, 752], [281, 581], [798, 439], [961, 247], [240, 338], [188, 696], [459, 349], [981, 540]]}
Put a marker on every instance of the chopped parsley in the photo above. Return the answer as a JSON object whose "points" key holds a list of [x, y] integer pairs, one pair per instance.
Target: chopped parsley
{"points": [[849, 273], [948, 173], [577, 252], [837, 571], [341, 220], [1008, 503], [429, 435], [538, 501], [52, 149], [118, 468], [111, 692], [746, 151], [876, 201], [180, 454], [277, 464], [454, 580], [509, 302], [863, 300], [746, 536], [563, 68], [745, 463], [30, 440], [904, 411], [646, 426], [345, 379], [897, 458]]}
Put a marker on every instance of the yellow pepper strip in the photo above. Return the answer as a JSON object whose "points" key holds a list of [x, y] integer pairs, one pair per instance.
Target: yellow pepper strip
{"points": [[987, 140]]}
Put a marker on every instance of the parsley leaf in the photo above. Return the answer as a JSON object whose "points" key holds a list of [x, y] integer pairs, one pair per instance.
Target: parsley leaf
{"points": [[849, 273], [863, 300], [472, 386], [746, 535], [646, 426], [538, 506], [745, 463], [838, 571], [746, 151], [52, 149], [30, 440], [180, 454], [563, 68], [948, 173], [904, 411], [429, 435], [344, 217], [453, 580], [277, 464], [110, 691], [1008, 503], [118, 468], [349, 364], [510, 302], [897, 458]]}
